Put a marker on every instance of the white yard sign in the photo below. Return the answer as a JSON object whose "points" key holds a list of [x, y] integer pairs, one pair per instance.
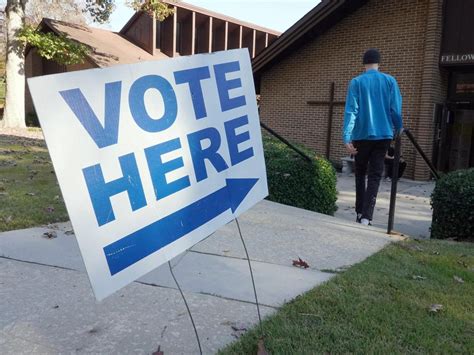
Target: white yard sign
{"points": [[152, 157]]}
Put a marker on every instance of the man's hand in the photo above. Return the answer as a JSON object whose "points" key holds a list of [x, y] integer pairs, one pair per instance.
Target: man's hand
{"points": [[351, 149]]}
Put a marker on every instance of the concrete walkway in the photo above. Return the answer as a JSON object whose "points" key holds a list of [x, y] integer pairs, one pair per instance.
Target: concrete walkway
{"points": [[47, 305], [413, 211]]}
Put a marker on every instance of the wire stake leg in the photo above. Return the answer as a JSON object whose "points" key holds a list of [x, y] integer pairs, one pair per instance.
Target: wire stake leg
{"points": [[187, 307], [251, 275]]}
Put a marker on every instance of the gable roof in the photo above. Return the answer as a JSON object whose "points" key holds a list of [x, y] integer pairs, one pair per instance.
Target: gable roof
{"points": [[325, 15], [108, 48]]}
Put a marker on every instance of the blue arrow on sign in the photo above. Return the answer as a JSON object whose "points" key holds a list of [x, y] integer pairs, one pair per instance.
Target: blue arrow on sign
{"points": [[138, 245]]}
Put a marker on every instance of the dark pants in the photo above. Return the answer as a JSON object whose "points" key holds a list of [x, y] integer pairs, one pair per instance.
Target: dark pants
{"points": [[369, 160]]}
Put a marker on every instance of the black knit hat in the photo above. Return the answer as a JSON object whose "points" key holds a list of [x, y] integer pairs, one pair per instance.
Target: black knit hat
{"points": [[372, 56]]}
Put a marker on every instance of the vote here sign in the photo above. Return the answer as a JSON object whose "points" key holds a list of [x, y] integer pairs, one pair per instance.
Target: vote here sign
{"points": [[152, 157]]}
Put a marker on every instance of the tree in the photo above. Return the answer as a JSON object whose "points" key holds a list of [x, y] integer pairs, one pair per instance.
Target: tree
{"points": [[16, 14], [14, 114], [50, 46]]}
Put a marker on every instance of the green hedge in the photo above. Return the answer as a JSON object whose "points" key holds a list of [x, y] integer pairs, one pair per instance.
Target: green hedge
{"points": [[294, 181], [453, 206]]}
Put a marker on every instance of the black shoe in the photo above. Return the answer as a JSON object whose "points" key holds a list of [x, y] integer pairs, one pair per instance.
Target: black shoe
{"points": [[359, 217]]}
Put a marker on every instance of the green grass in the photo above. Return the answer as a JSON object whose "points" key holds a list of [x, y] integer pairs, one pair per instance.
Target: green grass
{"points": [[378, 307], [26, 169]]}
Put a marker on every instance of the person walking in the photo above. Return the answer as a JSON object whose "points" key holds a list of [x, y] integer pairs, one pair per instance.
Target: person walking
{"points": [[372, 116]]}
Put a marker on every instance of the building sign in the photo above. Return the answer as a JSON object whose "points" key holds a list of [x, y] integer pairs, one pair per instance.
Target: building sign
{"points": [[458, 33], [152, 157], [458, 59], [461, 86]]}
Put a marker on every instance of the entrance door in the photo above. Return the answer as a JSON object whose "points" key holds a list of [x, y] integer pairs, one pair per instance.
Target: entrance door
{"points": [[461, 153]]}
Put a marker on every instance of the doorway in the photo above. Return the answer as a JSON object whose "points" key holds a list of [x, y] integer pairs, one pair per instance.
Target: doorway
{"points": [[455, 141], [461, 152]]}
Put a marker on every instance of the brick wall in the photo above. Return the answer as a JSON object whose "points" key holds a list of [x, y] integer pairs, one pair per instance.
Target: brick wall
{"points": [[407, 32]]}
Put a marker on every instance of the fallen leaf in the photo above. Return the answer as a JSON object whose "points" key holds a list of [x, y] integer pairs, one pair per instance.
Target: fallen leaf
{"points": [[435, 308], [8, 219], [458, 279], [418, 277], [436, 253], [300, 263], [49, 209], [56, 197], [30, 194], [261, 348], [50, 235], [158, 351], [460, 262], [238, 329]]}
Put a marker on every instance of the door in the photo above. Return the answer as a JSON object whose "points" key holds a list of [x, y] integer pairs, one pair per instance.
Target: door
{"points": [[461, 153]]}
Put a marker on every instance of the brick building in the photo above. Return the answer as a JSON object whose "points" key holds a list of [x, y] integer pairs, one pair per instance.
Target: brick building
{"points": [[190, 30], [303, 76]]}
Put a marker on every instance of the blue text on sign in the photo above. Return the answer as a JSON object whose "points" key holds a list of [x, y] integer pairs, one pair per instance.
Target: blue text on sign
{"points": [[106, 135]]}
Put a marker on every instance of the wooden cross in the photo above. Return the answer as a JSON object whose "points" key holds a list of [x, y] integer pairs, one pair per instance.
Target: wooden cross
{"points": [[331, 103]]}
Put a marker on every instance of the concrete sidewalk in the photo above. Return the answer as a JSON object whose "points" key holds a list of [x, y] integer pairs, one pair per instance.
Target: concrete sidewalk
{"points": [[47, 305], [412, 213]]}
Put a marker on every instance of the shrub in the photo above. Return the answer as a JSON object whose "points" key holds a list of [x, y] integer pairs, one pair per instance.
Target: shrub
{"points": [[294, 181], [453, 205]]}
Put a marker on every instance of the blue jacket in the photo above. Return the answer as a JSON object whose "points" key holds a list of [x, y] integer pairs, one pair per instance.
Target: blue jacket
{"points": [[373, 107]]}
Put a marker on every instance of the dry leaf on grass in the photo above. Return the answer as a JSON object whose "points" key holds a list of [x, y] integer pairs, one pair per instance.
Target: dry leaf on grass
{"points": [[458, 279], [435, 308], [418, 277], [261, 348]]}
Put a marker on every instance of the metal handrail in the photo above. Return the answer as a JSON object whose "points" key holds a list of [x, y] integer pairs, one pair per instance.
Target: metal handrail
{"points": [[276, 135], [396, 164]]}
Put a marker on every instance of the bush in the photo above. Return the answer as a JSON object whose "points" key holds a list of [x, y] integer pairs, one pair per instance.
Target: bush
{"points": [[294, 181], [453, 205]]}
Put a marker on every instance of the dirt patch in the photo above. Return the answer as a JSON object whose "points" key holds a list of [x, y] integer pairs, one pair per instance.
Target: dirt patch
{"points": [[32, 133]]}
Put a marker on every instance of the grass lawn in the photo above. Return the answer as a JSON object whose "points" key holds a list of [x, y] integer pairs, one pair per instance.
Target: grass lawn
{"points": [[29, 193], [381, 306]]}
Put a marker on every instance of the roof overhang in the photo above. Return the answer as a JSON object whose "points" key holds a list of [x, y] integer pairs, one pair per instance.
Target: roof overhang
{"points": [[325, 15]]}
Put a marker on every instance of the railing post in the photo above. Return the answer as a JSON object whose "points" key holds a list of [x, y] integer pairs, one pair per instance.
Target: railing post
{"points": [[393, 193]]}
